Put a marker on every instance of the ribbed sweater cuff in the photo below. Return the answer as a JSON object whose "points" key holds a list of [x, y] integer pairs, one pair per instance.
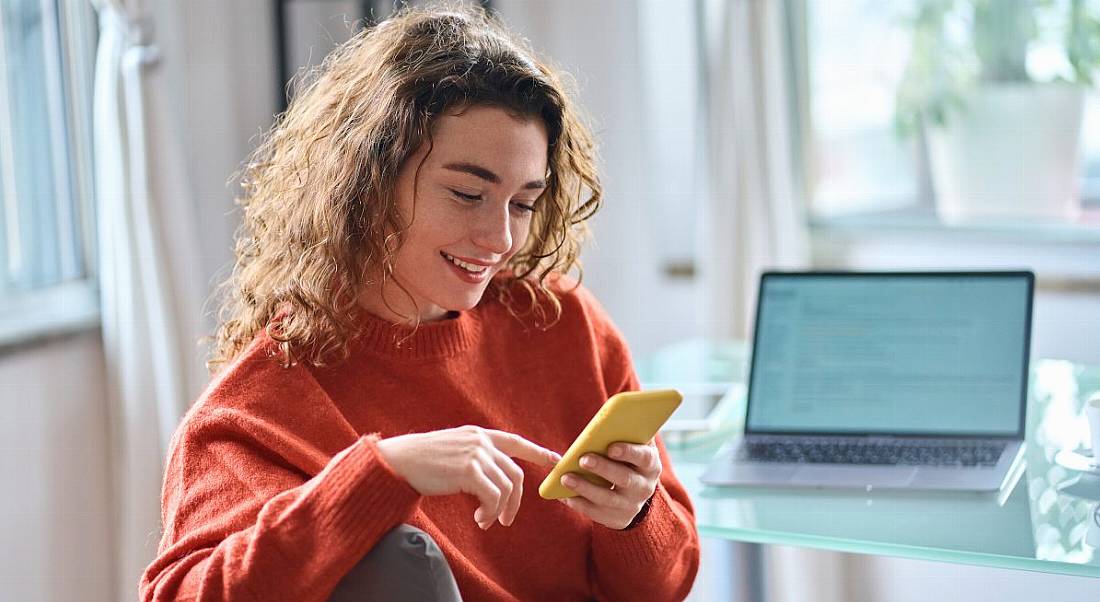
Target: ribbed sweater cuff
{"points": [[653, 541], [363, 486]]}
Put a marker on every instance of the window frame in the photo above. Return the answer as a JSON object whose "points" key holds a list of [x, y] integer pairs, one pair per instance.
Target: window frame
{"points": [[72, 305], [920, 216]]}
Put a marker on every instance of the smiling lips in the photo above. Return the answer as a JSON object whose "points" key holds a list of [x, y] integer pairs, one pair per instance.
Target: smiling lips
{"points": [[471, 268]]}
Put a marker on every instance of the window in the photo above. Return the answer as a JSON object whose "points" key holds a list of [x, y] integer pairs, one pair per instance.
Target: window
{"points": [[853, 56], [47, 52], [856, 55]]}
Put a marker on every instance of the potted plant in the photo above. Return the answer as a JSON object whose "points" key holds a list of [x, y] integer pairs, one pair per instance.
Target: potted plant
{"points": [[997, 89]]}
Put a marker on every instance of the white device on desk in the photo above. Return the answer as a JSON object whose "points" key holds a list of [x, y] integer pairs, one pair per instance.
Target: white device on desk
{"points": [[885, 379]]}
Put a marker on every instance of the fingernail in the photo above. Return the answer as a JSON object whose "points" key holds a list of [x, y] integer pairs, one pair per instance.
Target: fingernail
{"points": [[616, 452], [568, 480], [588, 461]]}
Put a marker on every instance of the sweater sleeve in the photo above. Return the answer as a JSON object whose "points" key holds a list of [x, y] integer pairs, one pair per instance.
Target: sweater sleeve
{"points": [[245, 520], [658, 558]]}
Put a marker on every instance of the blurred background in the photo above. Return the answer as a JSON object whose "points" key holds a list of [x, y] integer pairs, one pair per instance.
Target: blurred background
{"points": [[736, 135]]}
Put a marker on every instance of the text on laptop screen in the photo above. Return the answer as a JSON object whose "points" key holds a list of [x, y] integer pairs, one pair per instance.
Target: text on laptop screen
{"points": [[890, 354]]}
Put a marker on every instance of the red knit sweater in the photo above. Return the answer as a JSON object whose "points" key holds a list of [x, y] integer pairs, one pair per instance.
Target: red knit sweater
{"points": [[275, 487]]}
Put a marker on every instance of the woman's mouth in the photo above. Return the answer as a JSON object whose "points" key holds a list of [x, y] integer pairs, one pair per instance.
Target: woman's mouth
{"points": [[467, 271]]}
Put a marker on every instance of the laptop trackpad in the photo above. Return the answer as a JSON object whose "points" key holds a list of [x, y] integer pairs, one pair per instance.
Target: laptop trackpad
{"points": [[854, 476]]}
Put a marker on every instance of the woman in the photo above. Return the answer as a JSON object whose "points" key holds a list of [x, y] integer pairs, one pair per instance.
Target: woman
{"points": [[399, 352]]}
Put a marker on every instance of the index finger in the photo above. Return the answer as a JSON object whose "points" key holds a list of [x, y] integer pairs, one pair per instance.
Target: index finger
{"points": [[518, 447]]}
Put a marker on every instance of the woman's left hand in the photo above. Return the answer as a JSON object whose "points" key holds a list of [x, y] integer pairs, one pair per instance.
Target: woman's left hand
{"points": [[632, 469]]}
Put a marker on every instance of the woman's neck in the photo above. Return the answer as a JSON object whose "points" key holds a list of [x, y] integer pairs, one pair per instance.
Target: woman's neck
{"points": [[395, 306]]}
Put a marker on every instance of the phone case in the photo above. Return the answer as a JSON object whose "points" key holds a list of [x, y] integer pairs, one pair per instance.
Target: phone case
{"points": [[632, 417]]}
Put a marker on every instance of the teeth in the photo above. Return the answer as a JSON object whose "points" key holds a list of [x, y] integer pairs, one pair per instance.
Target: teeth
{"points": [[469, 267]]}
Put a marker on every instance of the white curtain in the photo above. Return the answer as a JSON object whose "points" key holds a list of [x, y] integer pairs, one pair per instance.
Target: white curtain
{"points": [[148, 272], [754, 216]]}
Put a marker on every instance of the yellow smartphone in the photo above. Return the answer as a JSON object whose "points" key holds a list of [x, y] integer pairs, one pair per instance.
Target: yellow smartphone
{"points": [[631, 417]]}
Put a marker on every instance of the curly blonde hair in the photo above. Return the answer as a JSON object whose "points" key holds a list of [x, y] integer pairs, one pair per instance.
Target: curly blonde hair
{"points": [[319, 205]]}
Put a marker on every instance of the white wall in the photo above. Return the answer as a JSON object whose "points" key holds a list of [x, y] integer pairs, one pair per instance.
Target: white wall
{"points": [[219, 59], [598, 43], [55, 514]]}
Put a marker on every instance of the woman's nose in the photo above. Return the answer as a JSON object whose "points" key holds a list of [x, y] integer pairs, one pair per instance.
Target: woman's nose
{"points": [[494, 230]]}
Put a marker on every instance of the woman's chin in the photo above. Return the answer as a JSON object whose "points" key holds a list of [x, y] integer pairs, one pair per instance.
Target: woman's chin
{"points": [[464, 302], [464, 305]]}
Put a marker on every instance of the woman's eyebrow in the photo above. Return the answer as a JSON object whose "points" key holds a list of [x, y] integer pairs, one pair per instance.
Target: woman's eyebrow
{"points": [[488, 175]]}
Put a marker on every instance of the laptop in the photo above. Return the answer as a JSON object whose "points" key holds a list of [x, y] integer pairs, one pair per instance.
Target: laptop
{"points": [[896, 380]]}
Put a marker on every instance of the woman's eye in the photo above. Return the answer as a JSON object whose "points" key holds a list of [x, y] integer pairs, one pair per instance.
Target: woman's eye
{"points": [[523, 207], [466, 197]]}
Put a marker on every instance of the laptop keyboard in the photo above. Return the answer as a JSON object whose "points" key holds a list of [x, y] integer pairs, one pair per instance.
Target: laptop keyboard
{"points": [[979, 454]]}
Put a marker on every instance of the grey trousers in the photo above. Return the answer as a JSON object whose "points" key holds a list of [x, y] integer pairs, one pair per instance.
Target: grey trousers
{"points": [[406, 564]]}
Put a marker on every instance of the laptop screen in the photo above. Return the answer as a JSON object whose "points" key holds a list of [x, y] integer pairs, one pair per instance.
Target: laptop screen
{"points": [[891, 353]]}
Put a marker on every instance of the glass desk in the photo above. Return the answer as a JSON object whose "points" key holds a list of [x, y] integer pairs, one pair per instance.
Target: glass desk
{"points": [[1035, 526]]}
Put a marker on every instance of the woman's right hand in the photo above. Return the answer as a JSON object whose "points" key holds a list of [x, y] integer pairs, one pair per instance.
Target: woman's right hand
{"points": [[467, 459]]}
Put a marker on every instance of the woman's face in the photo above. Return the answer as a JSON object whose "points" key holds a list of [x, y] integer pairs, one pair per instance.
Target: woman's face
{"points": [[468, 211]]}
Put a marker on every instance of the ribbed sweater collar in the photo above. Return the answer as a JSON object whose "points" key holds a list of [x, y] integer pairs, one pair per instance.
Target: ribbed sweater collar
{"points": [[439, 338]]}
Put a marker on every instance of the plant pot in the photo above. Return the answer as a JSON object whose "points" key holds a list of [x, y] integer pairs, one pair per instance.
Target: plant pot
{"points": [[1011, 155]]}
